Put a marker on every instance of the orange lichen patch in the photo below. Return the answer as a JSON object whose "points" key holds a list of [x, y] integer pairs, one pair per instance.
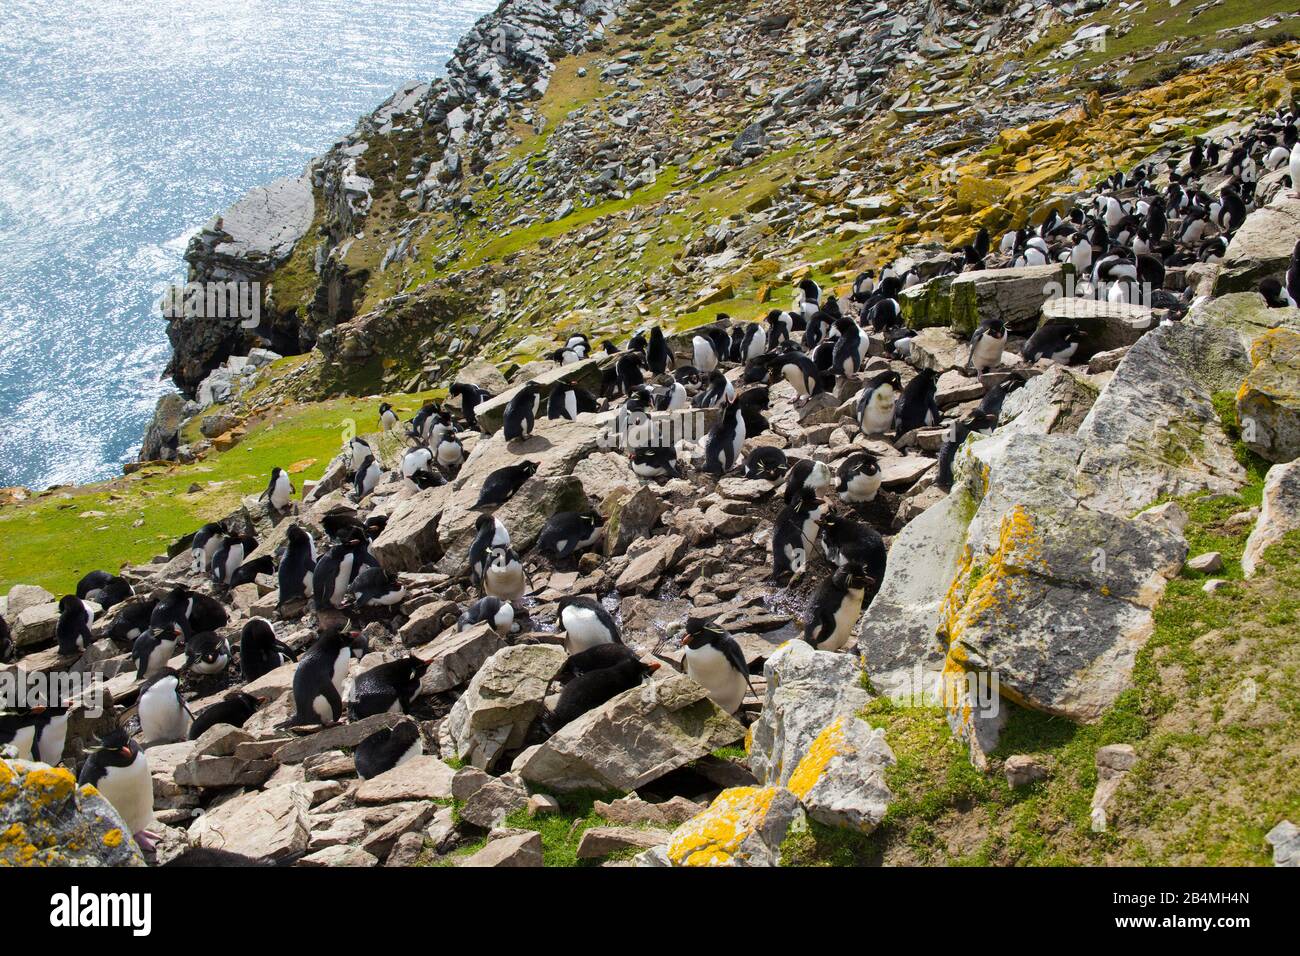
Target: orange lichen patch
{"points": [[16, 847], [113, 837], [714, 837], [829, 744], [51, 784]]}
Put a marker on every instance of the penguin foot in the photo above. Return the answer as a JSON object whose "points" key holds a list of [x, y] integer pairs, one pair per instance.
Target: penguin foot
{"points": [[146, 840]]}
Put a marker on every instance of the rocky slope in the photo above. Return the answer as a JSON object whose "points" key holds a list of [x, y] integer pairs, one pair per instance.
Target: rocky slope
{"points": [[606, 167]]}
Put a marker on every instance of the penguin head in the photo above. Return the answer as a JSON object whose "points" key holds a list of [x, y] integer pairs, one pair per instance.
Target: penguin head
{"points": [[865, 463], [529, 468], [854, 578], [71, 605], [701, 631], [116, 749]]}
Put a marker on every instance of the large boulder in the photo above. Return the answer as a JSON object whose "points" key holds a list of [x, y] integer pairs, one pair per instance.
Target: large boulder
{"points": [[963, 301], [1279, 514], [47, 820], [1268, 403], [455, 657], [1106, 325], [841, 779], [635, 738], [501, 702], [1246, 312], [267, 824], [1262, 246], [1054, 403], [585, 374], [744, 826], [807, 691], [557, 447], [410, 538], [1153, 432], [1057, 612]]}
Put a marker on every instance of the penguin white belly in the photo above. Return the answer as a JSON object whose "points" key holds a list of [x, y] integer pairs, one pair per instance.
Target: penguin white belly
{"points": [[322, 709], [705, 360], [571, 405], [506, 584], [794, 375], [53, 738], [211, 667], [678, 398], [341, 669], [341, 581], [162, 718], [810, 527], [159, 657], [879, 416], [987, 353], [23, 741], [709, 668], [583, 630], [504, 620], [846, 618], [415, 750], [130, 790], [862, 488]]}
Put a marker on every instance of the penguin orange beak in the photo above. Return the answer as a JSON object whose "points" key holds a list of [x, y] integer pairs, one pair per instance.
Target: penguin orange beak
{"points": [[124, 751], [654, 665]]}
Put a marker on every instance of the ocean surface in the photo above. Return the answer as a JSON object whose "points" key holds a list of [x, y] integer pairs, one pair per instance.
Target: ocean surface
{"points": [[124, 126]]}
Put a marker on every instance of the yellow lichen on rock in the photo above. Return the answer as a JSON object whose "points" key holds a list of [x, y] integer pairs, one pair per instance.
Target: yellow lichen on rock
{"points": [[828, 745], [715, 837]]}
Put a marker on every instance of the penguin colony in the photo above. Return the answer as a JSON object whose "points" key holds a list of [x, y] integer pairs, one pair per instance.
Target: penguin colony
{"points": [[828, 545]]}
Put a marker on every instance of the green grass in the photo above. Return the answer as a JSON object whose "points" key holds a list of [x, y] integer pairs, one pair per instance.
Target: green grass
{"points": [[47, 542]]}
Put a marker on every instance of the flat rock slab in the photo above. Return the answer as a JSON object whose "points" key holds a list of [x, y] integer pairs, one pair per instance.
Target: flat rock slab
{"points": [[420, 778], [269, 824], [635, 738]]}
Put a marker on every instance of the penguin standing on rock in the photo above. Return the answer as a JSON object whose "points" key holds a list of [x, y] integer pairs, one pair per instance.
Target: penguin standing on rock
{"points": [[714, 660], [230, 555], [318, 679], [977, 423], [658, 356], [849, 543], [916, 406], [723, 443], [279, 491], [500, 614], [154, 648], [234, 710], [38, 733], [164, 716], [505, 577], [489, 533], [569, 401], [337, 569], [119, 770], [986, 346], [586, 624], [875, 408], [835, 610], [296, 566], [859, 478], [568, 532], [500, 486], [521, 412], [705, 354], [366, 478], [260, 652], [387, 688], [793, 537], [471, 397], [387, 417], [388, 748], [204, 545], [73, 628], [803, 375]]}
